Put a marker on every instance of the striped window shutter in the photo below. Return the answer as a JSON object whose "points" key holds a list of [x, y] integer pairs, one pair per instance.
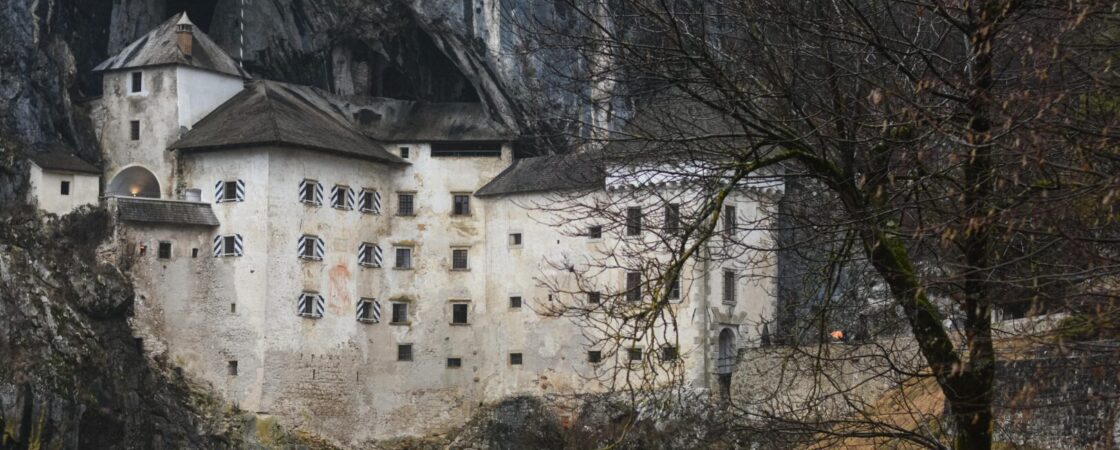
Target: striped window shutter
{"points": [[350, 199], [240, 190], [238, 245], [363, 254], [377, 256], [300, 243], [376, 202], [320, 305], [315, 302], [219, 191], [362, 206], [301, 304], [369, 311], [217, 246], [318, 193], [334, 196], [320, 249], [303, 187], [369, 255]]}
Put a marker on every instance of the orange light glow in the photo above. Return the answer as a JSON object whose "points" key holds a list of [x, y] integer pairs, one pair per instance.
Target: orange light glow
{"points": [[134, 190], [838, 335]]}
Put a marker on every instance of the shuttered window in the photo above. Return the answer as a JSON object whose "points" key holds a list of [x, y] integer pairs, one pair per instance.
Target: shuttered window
{"points": [[311, 305], [229, 191], [342, 197], [311, 248], [229, 245], [369, 310], [369, 255], [369, 201], [311, 192]]}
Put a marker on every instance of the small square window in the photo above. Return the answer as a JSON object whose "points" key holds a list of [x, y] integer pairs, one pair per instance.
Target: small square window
{"points": [[595, 232], [515, 359], [459, 260], [64, 188], [634, 354], [143, 250], [515, 239], [594, 356], [400, 313], [404, 258], [461, 205], [406, 204], [194, 253], [633, 221], [134, 130], [233, 308], [229, 191], [370, 202], [369, 310], [137, 82], [404, 152], [340, 197], [515, 302], [229, 245], [669, 353], [307, 246], [232, 368], [459, 313], [594, 297], [307, 191], [454, 363], [404, 352], [674, 290], [164, 250]]}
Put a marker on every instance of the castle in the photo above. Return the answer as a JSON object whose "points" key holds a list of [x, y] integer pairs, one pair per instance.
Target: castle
{"points": [[365, 269]]}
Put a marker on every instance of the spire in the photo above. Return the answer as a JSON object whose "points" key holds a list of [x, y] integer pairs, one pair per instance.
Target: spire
{"points": [[184, 29]]}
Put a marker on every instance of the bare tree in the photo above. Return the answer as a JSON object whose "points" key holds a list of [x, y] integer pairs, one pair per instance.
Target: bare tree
{"points": [[951, 158]]}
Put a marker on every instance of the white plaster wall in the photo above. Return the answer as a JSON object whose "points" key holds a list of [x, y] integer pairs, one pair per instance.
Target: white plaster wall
{"points": [[201, 91], [156, 107], [46, 190]]}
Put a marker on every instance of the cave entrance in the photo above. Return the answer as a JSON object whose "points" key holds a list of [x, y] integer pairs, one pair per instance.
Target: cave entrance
{"points": [[134, 181], [201, 12]]}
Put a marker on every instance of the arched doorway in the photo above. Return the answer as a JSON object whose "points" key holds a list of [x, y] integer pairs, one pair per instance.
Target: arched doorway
{"points": [[725, 362], [134, 181]]}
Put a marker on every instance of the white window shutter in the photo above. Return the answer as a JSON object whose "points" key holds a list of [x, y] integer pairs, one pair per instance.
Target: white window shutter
{"points": [[300, 246], [376, 311], [377, 256], [238, 245], [320, 249], [350, 199], [217, 246], [334, 196], [240, 190], [320, 305], [362, 251], [219, 191], [301, 305], [362, 206], [376, 202], [302, 190], [318, 194], [362, 306]]}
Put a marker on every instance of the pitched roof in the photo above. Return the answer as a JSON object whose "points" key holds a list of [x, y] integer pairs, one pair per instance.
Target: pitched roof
{"points": [[160, 46], [274, 113], [150, 210], [63, 162], [393, 120], [547, 173]]}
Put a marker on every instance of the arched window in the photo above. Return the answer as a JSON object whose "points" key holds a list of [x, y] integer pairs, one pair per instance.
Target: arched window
{"points": [[726, 362], [134, 181]]}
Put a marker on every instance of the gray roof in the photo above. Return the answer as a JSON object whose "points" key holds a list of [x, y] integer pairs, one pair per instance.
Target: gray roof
{"points": [[393, 120], [150, 210], [553, 173], [274, 113], [63, 162], [160, 47]]}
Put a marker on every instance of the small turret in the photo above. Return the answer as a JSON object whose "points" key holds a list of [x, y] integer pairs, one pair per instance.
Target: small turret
{"points": [[184, 29]]}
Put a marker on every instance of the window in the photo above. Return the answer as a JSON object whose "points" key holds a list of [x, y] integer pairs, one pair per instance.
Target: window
{"points": [[459, 313], [229, 245], [232, 368], [369, 255], [64, 188], [674, 289], [233, 308], [229, 191], [633, 286], [310, 248], [369, 201], [634, 354], [728, 286], [515, 359], [461, 205], [342, 197], [137, 82], [594, 297], [672, 218], [404, 258], [459, 259], [404, 152], [515, 239], [729, 221], [633, 221], [400, 313], [369, 311], [515, 302], [164, 250], [194, 253], [669, 353], [311, 192], [467, 149], [454, 363], [594, 356], [406, 204], [134, 130], [595, 232], [311, 305], [404, 352]]}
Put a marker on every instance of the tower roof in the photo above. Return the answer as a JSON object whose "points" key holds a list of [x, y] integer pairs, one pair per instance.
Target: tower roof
{"points": [[160, 47]]}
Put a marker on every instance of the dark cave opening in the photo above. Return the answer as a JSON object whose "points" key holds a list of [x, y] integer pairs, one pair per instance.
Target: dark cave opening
{"points": [[201, 12]]}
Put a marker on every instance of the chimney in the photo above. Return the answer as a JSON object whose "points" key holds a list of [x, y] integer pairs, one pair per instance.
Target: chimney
{"points": [[184, 29]]}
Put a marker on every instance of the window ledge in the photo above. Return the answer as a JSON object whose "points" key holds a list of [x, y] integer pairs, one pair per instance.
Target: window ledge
{"points": [[310, 259], [310, 316], [368, 321], [461, 270], [402, 268], [370, 212], [369, 266], [727, 303], [401, 324], [459, 324], [311, 203], [406, 215]]}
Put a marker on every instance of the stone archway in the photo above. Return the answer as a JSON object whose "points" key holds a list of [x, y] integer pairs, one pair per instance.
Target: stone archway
{"points": [[134, 181]]}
